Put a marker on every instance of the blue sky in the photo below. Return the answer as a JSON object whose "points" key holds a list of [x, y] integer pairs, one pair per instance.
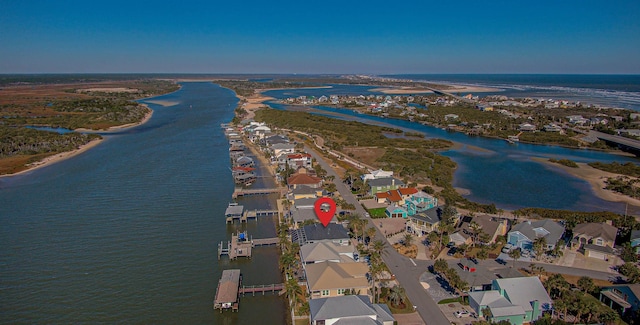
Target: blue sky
{"points": [[372, 37]]}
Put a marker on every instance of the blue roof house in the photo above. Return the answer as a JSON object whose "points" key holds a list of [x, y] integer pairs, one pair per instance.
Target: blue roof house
{"points": [[635, 240], [420, 202], [523, 234]]}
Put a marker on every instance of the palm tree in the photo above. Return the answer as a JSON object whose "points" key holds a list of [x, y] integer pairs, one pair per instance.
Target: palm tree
{"points": [[475, 229], [378, 247], [586, 284], [375, 270], [440, 266], [483, 254], [371, 232], [539, 245], [395, 295], [407, 240], [304, 308], [432, 236], [515, 255], [293, 290]]}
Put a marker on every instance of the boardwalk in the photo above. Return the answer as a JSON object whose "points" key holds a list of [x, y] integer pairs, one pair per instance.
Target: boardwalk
{"points": [[262, 288], [258, 191], [265, 241]]}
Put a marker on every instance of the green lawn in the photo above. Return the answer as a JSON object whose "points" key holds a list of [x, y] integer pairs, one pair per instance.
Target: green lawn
{"points": [[377, 213]]}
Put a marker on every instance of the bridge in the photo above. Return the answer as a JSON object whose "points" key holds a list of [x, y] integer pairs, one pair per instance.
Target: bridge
{"points": [[623, 143]]}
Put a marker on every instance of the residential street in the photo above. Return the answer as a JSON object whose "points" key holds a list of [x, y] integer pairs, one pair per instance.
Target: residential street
{"points": [[407, 274]]}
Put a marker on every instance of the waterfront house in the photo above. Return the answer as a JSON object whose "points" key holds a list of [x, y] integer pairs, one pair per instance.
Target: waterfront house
{"points": [[527, 127], [304, 191], [303, 178], [635, 240], [282, 148], [595, 240], [552, 128], [332, 279], [424, 222], [333, 232], [301, 215], [523, 234], [304, 203], [623, 298], [420, 202], [395, 211], [271, 140], [451, 117], [517, 300], [327, 251], [383, 184], [489, 225], [244, 161], [351, 309], [298, 160]]}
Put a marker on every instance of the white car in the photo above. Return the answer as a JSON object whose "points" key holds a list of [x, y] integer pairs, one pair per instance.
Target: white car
{"points": [[461, 313]]}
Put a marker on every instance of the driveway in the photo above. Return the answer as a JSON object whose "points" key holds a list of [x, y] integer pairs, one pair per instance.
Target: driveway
{"points": [[407, 271]]}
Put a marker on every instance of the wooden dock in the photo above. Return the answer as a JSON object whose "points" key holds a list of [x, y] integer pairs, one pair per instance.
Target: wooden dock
{"points": [[227, 291], [261, 288], [252, 214], [238, 192], [239, 247]]}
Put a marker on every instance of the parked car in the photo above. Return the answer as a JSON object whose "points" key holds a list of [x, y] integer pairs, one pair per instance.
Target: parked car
{"points": [[461, 313], [501, 261], [451, 251], [473, 259]]}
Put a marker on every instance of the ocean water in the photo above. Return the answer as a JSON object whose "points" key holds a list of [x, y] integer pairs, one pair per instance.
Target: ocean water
{"points": [[127, 232], [620, 91]]}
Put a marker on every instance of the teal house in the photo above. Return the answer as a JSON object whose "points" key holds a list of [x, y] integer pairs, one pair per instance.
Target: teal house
{"points": [[517, 300], [635, 240], [394, 211], [420, 202]]}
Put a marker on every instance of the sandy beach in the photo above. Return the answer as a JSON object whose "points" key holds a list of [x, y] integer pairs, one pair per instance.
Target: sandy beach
{"points": [[65, 155], [596, 179], [163, 103], [57, 158], [454, 89]]}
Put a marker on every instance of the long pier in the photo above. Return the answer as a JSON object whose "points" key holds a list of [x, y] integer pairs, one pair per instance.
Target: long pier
{"points": [[261, 288], [258, 191], [252, 214]]}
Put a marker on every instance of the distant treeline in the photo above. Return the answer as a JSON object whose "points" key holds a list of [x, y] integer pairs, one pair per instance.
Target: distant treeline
{"points": [[25, 141]]}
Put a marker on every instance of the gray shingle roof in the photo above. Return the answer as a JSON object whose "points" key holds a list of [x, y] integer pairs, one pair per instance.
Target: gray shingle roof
{"points": [[352, 309], [387, 181], [315, 232], [555, 230], [596, 230], [431, 216]]}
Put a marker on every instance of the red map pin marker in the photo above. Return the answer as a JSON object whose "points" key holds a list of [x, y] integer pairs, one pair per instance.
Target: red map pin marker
{"points": [[325, 215]]}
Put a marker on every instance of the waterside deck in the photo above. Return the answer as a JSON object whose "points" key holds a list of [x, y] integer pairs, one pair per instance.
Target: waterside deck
{"points": [[227, 291]]}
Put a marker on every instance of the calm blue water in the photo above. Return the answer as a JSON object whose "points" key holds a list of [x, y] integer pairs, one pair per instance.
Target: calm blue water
{"points": [[127, 232], [493, 170]]}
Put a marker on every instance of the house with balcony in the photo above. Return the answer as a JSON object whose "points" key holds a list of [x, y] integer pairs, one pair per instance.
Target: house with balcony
{"points": [[623, 298], [420, 202], [424, 222], [385, 184], [327, 251], [333, 279]]}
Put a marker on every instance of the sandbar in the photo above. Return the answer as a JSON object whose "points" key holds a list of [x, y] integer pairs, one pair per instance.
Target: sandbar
{"points": [[596, 178], [164, 103]]}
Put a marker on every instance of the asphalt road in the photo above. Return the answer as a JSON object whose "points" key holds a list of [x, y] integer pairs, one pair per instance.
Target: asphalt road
{"points": [[407, 273]]}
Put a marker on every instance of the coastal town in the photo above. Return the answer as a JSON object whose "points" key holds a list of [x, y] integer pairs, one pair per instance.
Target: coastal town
{"points": [[395, 253]]}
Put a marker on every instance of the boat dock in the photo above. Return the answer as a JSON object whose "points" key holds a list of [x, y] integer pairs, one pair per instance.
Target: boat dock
{"points": [[259, 191], [241, 245], [251, 214], [227, 291]]}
